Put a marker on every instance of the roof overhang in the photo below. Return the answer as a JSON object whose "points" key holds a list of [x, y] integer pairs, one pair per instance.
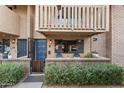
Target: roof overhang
{"points": [[7, 35]]}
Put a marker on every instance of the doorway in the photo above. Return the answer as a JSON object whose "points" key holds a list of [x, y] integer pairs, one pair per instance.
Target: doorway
{"points": [[40, 52]]}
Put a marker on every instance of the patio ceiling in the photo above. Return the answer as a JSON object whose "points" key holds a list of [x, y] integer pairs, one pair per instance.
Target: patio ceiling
{"points": [[69, 34]]}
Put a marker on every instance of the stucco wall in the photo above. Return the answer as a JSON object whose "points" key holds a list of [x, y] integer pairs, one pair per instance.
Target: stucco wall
{"points": [[9, 21], [118, 34], [100, 44], [21, 10]]}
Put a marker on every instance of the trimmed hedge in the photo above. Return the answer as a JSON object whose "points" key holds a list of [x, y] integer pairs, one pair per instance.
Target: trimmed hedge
{"points": [[85, 74], [10, 73]]}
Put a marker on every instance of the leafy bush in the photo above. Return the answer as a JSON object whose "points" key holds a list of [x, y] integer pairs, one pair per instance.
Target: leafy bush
{"points": [[10, 73], [86, 74]]}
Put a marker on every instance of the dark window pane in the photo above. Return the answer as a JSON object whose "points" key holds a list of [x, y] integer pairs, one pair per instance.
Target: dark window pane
{"points": [[21, 47]]}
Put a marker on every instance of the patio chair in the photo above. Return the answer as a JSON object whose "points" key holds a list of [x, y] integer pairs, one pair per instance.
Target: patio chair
{"points": [[76, 54], [59, 53]]}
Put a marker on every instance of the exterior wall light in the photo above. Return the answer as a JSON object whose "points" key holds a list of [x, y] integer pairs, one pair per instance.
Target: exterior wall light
{"points": [[13, 41], [50, 42]]}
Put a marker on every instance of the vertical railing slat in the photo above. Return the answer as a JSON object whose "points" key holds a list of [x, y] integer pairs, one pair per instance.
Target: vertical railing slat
{"points": [[52, 16], [56, 17], [83, 17], [69, 17], [87, 23], [41, 16], [75, 16], [72, 18], [60, 17], [107, 18], [79, 16], [99, 17], [64, 16], [45, 16], [37, 17], [49, 17], [103, 17], [95, 19], [91, 24]]}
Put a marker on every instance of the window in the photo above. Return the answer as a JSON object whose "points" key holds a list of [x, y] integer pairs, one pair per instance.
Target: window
{"points": [[21, 47], [69, 46], [5, 48]]}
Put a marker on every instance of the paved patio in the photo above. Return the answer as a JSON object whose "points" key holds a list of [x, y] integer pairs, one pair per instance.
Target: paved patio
{"points": [[32, 81]]}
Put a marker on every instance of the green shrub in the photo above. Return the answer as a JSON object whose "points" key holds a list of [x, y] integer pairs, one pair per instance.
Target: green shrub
{"points": [[10, 73], [85, 74]]}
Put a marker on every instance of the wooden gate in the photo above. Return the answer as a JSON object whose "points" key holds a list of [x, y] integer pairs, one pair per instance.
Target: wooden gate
{"points": [[39, 55], [38, 66]]}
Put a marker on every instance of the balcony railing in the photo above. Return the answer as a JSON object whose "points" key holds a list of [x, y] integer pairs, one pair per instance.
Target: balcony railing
{"points": [[66, 17]]}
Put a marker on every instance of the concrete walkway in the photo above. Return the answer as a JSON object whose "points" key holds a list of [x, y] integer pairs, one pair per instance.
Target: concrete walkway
{"points": [[32, 81]]}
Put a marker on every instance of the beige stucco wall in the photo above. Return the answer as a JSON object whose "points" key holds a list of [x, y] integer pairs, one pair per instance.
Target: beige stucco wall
{"points": [[100, 44], [118, 34], [51, 48], [9, 21], [21, 10]]}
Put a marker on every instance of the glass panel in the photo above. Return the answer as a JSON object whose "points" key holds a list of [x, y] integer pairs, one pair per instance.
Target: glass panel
{"points": [[21, 47]]}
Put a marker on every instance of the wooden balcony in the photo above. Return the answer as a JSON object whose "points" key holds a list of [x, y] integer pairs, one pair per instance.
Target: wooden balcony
{"points": [[66, 18]]}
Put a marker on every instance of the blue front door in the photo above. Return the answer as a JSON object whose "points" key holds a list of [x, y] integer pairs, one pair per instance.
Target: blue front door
{"points": [[40, 50]]}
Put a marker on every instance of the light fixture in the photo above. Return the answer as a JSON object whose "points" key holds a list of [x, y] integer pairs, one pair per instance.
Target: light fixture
{"points": [[50, 42], [13, 41]]}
